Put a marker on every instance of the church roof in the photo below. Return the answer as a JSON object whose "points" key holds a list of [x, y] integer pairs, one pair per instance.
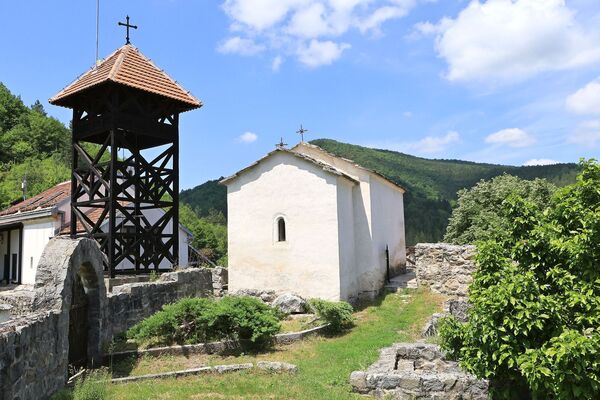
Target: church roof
{"points": [[45, 200], [129, 67], [371, 171], [325, 167]]}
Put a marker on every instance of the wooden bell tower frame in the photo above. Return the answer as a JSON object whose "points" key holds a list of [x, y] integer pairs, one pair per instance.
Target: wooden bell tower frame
{"points": [[114, 178]]}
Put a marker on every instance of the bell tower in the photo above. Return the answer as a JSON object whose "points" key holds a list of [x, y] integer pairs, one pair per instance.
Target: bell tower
{"points": [[125, 165]]}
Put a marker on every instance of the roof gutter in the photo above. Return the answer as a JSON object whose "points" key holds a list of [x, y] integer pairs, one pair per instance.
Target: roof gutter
{"points": [[35, 214]]}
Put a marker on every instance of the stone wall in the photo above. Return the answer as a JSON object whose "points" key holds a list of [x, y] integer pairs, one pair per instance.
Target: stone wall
{"points": [[33, 357], [417, 371], [220, 277], [34, 349], [445, 268], [130, 303]]}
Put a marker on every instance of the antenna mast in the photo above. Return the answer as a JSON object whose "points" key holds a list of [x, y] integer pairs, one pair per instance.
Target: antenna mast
{"points": [[97, 30]]}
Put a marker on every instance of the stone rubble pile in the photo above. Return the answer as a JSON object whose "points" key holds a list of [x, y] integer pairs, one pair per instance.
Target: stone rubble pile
{"points": [[288, 303], [416, 370]]}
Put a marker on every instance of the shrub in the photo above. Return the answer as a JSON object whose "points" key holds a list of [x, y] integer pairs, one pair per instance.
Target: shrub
{"points": [[535, 316], [247, 318], [93, 387], [338, 314], [197, 320]]}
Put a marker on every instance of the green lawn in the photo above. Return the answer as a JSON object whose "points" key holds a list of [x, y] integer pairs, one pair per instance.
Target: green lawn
{"points": [[324, 364]]}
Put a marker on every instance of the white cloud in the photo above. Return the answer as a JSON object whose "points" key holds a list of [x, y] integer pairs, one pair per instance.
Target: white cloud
{"points": [[509, 40], [298, 27], [407, 114], [513, 137], [434, 144], [247, 137], [241, 46], [276, 64], [540, 161], [586, 134], [586, 100], [319, 53]]}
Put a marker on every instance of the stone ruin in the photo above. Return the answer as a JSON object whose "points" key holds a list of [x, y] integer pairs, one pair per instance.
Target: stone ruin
{"points": [[417, 371], [69, 318]]}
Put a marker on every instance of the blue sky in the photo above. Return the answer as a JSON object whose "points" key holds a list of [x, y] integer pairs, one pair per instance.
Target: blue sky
{"points": [[502, 81]]}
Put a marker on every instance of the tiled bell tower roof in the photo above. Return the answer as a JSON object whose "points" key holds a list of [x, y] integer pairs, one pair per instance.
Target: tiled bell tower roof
{"points": [[129, 67]]}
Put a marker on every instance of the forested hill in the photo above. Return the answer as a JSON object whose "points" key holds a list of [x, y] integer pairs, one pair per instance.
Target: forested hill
{"points": [[431, 184], [32, 146]]}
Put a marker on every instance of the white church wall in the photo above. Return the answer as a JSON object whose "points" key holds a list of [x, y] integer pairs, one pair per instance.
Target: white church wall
{"points": [[387, 212], [361, 195], [349, 285], [36, 234], [306, 196], [378, 220]]}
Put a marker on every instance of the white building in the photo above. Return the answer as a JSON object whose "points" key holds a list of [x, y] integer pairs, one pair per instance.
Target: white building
{"points": [[26, 228], [306, 221]]}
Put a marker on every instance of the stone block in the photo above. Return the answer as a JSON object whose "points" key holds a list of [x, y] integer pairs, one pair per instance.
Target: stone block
{"points": [[277, 366]]}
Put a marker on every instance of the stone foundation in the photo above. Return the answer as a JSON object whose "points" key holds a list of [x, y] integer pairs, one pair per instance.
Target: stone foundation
{"points": [[446, 269], [415, 371]]}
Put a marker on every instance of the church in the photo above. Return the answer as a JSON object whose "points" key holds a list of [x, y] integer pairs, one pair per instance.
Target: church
{"points": [[303, 220]]}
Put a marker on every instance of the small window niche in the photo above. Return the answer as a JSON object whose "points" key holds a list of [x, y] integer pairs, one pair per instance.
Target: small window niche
{"points": [[281, 234]]}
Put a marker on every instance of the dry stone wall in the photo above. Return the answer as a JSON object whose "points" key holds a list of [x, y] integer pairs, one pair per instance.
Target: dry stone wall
{"points": [[445, 268], [33, 357], [130, 303], [417, 371]]}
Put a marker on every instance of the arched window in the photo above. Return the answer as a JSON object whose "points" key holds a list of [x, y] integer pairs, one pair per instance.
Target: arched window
{"points": [[280, 229]]}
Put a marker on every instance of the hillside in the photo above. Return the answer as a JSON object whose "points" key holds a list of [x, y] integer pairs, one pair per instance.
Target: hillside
{"points": [[206, 197], [32, 146], [431, 184]]}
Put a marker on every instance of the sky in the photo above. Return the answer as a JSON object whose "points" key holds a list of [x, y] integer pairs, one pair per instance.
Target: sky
{"points": [[499, 81]]}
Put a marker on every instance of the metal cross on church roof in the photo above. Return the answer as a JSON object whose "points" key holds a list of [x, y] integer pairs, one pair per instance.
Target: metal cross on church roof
{"points": [[127, 25], [281, 145], [301, 132]]}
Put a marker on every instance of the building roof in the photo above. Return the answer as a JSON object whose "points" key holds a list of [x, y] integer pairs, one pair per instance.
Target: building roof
{"points": [[45, 200], [325, 167], [51, 198], [371, 171], [128, 66]]}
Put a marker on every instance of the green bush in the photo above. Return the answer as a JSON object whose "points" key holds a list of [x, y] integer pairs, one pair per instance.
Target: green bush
{"points": [[195, 320], [535, 317], [338, 314], [93, 387]]}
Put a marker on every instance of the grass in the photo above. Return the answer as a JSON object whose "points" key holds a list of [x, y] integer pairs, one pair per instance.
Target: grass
{"points": [[324, 364]]}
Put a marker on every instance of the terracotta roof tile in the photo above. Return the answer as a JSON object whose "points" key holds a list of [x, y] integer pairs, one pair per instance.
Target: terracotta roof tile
{"points": [[93, 214], [46, 199], [128, 66]]}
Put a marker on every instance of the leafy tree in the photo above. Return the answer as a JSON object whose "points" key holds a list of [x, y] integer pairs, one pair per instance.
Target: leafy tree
{"points": [[479, 214], [534, 325], [11, 109], [209, 238], [41, 174], [38, 108]]}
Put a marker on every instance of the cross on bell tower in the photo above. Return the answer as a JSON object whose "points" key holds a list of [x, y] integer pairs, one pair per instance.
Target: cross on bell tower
{"points": [[127, 26]]}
